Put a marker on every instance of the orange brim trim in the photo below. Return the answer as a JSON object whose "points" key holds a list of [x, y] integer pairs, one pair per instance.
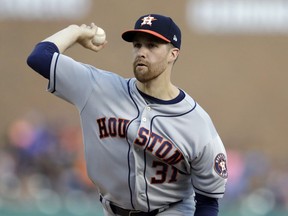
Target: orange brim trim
{"points": [[128, 35]]}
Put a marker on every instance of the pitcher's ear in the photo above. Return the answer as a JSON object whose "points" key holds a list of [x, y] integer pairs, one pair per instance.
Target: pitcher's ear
{"points": [[174, 52]]}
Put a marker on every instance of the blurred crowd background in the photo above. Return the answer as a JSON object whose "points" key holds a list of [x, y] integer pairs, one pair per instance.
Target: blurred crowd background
{"points": [[233, 61]]}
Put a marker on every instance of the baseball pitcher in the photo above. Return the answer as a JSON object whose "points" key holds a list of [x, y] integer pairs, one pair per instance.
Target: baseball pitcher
{"points": [[150, 148]]}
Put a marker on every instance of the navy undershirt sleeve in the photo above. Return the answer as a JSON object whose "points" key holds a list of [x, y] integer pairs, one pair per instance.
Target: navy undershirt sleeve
{"points": [[206, 206], [41, 57]]}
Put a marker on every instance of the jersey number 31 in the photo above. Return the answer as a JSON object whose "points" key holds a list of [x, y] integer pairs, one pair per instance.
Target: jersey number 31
{"points": [[161, 173]]}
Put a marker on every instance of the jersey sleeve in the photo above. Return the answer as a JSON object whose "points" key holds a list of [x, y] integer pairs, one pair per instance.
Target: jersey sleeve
{"points": [[40, 58], [70, 80], [209, 170]]}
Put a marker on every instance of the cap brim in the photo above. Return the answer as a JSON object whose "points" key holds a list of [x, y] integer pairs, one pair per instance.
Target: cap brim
{"points": [[129, 35]]}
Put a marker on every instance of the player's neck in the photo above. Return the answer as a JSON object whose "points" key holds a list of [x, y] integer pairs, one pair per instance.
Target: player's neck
{"points": [[165, 91]]}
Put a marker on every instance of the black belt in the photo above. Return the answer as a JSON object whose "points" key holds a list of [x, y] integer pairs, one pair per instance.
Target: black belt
{"points": [[127, 212]]}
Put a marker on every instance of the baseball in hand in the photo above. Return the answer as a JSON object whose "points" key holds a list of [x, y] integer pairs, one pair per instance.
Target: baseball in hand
{"points": [[99, 37]]}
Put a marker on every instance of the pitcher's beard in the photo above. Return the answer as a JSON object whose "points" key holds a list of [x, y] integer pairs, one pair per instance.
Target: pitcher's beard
{"points": [[142, 74], [146, 73]]}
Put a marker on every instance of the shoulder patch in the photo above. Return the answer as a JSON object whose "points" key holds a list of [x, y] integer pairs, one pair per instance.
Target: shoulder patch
{"points": [[220, 165]]}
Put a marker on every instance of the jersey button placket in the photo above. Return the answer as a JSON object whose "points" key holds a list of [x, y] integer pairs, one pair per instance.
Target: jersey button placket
{"points": [[146, 113], [145, 122]]}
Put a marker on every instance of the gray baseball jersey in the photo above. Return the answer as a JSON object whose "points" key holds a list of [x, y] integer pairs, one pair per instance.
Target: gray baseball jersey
{"points": [[140, 155]]}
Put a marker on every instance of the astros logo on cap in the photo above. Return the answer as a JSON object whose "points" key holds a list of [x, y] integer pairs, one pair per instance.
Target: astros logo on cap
{"points": [[148, 20]]}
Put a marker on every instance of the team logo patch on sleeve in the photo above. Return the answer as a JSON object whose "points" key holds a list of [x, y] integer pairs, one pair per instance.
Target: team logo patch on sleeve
{"points": [[220, 165]]}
